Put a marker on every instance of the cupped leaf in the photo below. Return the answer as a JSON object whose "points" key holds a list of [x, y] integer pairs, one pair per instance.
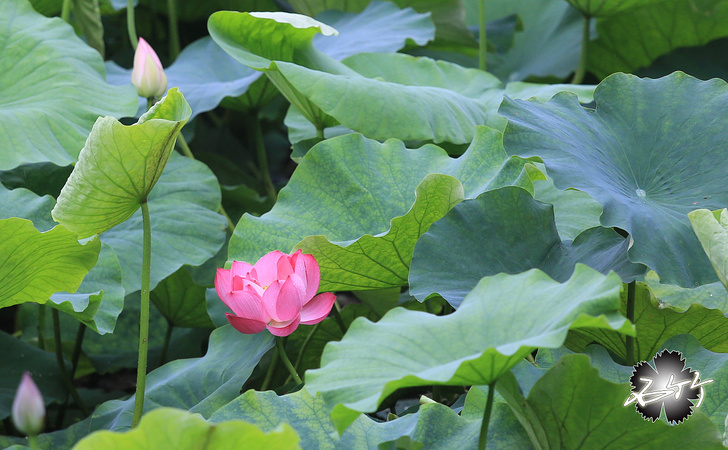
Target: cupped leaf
{"points": [[712, 231], [119, 166], [572, 407], [179, 429], [186, 228], [34, 265], [181, 301], [515, 233], [646, 154], [52, 89], [373, 194], [655, 323], [498, 324]]}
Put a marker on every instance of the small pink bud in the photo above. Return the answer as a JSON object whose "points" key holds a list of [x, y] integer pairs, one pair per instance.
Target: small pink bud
{"points": [[148, 74], [28, 407]]}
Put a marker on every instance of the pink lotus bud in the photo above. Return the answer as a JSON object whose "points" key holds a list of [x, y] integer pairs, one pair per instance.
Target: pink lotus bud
{"points": [[28, 407], [277, 293], [148, 75]]}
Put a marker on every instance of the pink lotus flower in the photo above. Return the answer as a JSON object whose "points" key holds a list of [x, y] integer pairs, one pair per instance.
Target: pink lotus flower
{"points": [[278, 293], [148, 74], [28, 407]]}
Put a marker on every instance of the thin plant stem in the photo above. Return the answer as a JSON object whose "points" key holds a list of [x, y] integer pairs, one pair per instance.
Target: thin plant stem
{"points": [[130, 25], [32, 442], [286, 361], [77, 349], [62, 363], [143, 316], [304, 346], [66, 10], [483, 439], [150, 103], [581, 68], [629, 343], [337, 317], [188, 153], [262, 157], [41, 326], [173, 29], [483, 44], [165, 346], [271, 371]]}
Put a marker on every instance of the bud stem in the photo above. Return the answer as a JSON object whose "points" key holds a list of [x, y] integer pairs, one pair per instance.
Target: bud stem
{"points": [[130, 25]]}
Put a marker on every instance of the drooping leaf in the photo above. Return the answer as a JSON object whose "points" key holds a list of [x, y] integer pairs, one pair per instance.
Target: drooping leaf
{"points": [[186, 229], [515, 233], [34, 265], [497, 325], [572, 407], [119, 166], [645, 154], [52, 89], [181, 301], [369, 214], [712, 231], [634, 39], [179, 429]]}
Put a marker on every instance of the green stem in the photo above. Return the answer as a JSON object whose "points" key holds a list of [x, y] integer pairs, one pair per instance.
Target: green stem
{"points": [[304, 346], [320, 132], [66, 10], [629, 344], [483, 439], [286, 361], [262, 157], [165, 346], [32, 442], [77, 349], [483, 44], [173, 30], [41, 326], [581, 69], [143, 317], [150, 103], [188, 153], [130, 25], [337, 317], [271, 371], [62, 363]]}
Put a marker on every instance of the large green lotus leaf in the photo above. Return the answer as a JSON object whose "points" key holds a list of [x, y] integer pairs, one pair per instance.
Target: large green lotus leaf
{"points": [[119, 166], [712, 231], [199, 385], [655, 323], [375, 183], [52, 89], [574, 211], [515, 233], [712, 296], [633, 40], [182, 430], [100, 298], [645, 154], [604, 8], [572, 407], [25, 204], [34, 265], [19, 357], [498, 324], [186, 228], [181, 301]]}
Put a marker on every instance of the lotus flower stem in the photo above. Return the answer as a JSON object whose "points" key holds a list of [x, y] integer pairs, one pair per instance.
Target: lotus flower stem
{"points": [[66, 10], [143, 316], [41, 326], [483, 439], [67, 380], [262, 157], [271, 371], [33, 442], [581, 68], [337, 317], [286, 361], [165, 346], [173, 30], [130, 25], [483, 44], [629, 343], [304, 346]]}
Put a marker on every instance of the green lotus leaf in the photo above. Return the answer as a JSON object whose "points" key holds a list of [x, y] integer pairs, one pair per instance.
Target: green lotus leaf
{"points": [[119, 166], [574, 211], [712, 296], [515, 233], [26, 204], [52, 89], [635, 39], [34, 265], [712, 231], [498, 324], [179, 429], [645, 154], [572, 407], [604, 8], [365, 221], [181, 301]]}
